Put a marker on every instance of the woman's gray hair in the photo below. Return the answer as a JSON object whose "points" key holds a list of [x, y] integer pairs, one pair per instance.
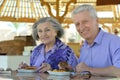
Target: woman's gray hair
{"points": [[53, 22], [85, 7]]}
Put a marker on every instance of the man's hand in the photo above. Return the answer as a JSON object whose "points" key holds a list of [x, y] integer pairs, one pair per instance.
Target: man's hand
{"points": [[82, 67]]}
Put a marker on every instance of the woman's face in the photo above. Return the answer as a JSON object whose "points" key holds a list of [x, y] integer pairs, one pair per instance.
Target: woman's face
{"points": [[46, 33], [86, 25]]}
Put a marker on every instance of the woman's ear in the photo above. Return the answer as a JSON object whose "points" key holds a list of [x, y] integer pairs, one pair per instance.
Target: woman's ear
{"points": [[56, 33], [38, 38]]}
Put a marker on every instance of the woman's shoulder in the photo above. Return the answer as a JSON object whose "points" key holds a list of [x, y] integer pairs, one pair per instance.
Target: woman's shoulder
{"points": [[65, 48], [38, 46], [61, 44]]}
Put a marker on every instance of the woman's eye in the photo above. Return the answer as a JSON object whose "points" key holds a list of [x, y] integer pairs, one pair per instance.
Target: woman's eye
{"points": [[47, 29], [39, 31]]}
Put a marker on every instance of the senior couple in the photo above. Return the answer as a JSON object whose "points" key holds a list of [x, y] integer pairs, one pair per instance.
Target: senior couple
{"points": [[99, 54]]}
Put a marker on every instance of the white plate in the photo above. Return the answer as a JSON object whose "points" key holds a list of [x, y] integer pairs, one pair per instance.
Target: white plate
{"points": [[26, 71], [5, 72], [5, 79], [26, 74], [58, 73], [56, 77]]}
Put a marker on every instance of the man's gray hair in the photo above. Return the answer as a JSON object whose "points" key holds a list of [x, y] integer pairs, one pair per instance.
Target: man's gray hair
{"points": [[85, 7]]}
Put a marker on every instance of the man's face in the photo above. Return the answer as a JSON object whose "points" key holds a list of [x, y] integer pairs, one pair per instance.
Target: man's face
{"points": [[86, 25]]}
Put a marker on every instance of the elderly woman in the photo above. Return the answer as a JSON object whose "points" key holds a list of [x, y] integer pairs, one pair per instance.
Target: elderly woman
{"points": [[52, 50]]}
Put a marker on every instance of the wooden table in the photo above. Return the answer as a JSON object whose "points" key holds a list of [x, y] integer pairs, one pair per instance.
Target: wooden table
{"points": [[44, 76]]}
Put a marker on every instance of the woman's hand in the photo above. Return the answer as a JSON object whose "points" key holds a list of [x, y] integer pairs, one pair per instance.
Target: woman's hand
{"points": [[65, 66], [44, 67], [22, 65]]}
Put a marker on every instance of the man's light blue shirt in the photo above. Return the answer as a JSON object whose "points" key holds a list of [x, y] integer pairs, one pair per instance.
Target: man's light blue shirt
{"points": [[104, 52]]}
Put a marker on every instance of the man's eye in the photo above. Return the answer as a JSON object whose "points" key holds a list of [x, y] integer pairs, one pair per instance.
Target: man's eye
{"points": [[77, 24], [84, 22]]}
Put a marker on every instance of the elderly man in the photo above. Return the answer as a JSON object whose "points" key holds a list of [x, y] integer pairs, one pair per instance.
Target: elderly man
{"points": [[100, 53]]}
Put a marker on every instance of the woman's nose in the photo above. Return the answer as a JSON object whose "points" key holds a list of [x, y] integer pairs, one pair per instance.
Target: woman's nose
{"points": [[43, 33]]}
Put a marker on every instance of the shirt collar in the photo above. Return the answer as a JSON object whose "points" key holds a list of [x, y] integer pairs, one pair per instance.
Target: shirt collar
{"points": [[58, 45], [98, 39]]}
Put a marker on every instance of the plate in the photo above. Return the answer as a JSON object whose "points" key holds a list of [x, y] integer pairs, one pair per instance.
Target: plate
{"points": [[5, 79], [26, 74], [59, 73], [5, 72], [56, 77], [26, 71]]}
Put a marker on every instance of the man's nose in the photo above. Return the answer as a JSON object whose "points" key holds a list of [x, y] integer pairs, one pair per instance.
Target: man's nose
{"points": [[81, 27]]}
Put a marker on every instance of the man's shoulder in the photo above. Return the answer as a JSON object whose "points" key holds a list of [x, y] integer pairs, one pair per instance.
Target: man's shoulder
{"points": [[111, 36]]}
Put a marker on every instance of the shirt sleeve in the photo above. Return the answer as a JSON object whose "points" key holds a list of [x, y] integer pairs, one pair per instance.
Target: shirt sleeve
{"points": [[72, 59], [31, 58], [116, 58]]}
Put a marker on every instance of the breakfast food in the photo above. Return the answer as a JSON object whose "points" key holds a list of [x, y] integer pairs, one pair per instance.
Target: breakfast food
{"points": [[30, 67], [59, 70]]}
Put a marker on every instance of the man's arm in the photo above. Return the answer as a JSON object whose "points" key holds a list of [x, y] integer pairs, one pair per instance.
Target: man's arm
{"points": [[108, 71]]}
